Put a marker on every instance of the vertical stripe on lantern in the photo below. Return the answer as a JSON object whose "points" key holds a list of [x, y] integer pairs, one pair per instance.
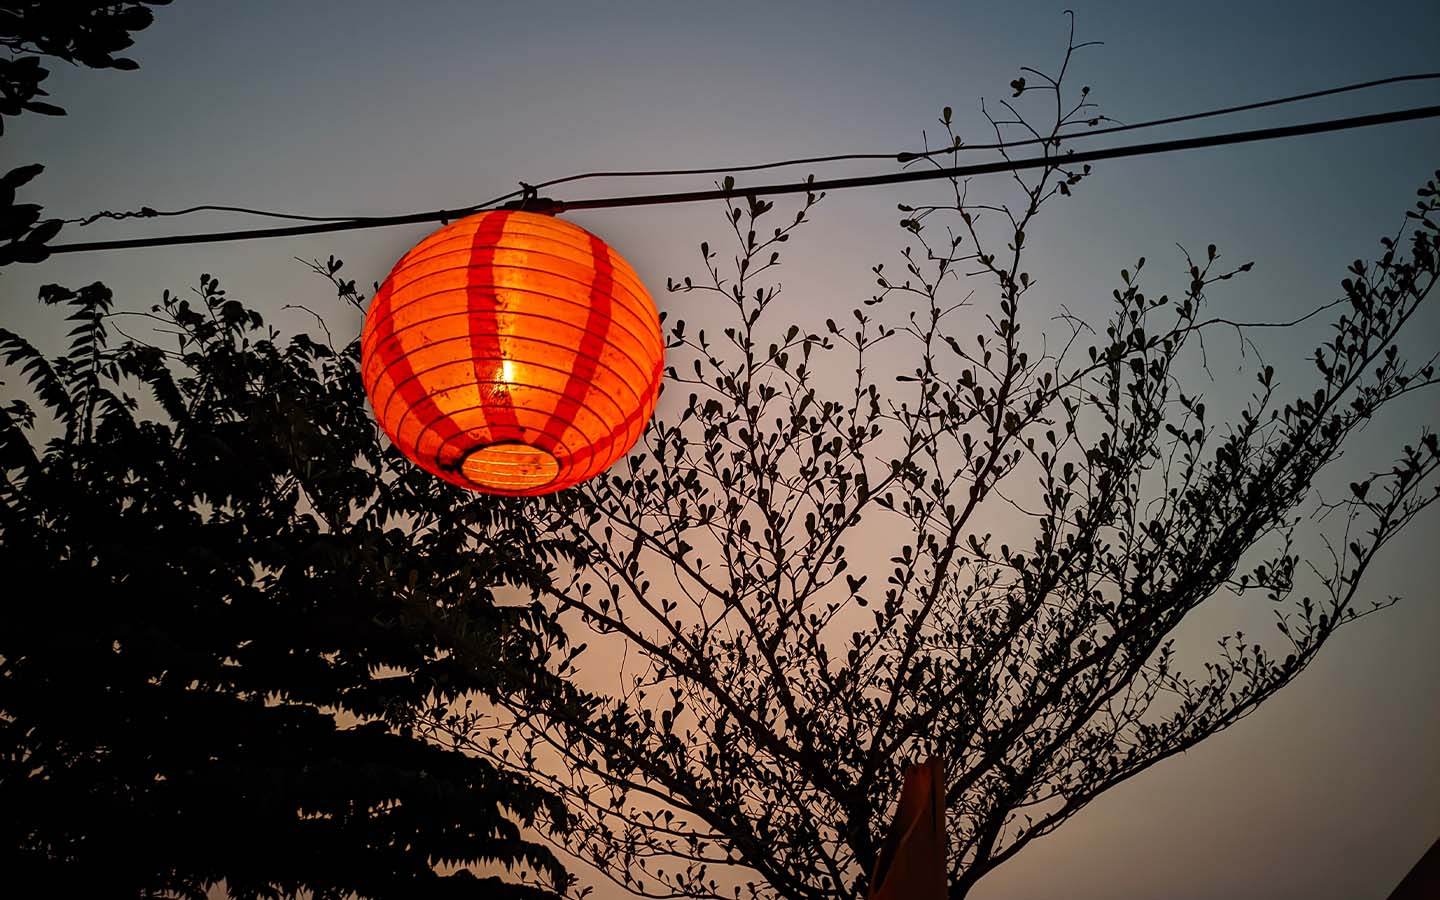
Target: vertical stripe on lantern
{"points": [[592, 342]]}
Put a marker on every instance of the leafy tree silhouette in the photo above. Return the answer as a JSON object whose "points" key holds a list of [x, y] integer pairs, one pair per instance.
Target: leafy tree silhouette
{"points": [[755, 740], [224, 621]]}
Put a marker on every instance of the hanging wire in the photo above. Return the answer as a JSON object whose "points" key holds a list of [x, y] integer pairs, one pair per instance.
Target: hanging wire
{"points": [[1069, 158], [146, 212], [911, 156]]}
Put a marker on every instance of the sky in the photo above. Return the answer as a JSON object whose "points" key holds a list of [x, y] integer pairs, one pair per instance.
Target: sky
{"points": [[365, 107]]}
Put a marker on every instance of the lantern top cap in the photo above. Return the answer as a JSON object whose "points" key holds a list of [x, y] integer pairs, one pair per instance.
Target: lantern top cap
{"points": [[531, 202]]}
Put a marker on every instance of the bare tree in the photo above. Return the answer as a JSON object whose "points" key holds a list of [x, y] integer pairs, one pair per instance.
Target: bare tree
{"points": [[771, 696]]}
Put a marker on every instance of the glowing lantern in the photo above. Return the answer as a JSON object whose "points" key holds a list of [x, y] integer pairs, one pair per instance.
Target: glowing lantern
{"points": [[512, 353]]}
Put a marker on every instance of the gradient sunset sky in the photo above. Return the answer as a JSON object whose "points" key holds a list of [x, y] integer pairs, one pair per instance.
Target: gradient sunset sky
{"points": [[1331, 791]]}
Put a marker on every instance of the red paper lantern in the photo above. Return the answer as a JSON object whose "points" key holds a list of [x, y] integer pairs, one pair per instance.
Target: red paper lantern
{"points": [[512, 353]]}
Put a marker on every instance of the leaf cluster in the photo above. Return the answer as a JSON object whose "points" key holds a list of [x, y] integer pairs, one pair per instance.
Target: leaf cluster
{"points": [[84, 33]]}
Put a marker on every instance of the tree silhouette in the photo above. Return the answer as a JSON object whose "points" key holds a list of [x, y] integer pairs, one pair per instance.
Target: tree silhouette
{"points": [[771, 695], [223, 621], [254, 645]]}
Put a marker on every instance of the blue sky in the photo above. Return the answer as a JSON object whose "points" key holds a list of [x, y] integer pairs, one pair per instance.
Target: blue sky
{"points": [[1331, 790]]}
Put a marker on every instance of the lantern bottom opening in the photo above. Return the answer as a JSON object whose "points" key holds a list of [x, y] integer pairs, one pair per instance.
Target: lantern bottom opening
{"points": [[509, 467]]}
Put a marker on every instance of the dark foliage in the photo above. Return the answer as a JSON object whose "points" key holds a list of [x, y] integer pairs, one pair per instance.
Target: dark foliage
{"points": [[80, 32], [22, 233], [221, 622]]}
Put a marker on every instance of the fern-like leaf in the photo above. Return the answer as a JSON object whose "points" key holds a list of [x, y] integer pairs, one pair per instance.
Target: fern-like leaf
{"points": [[41, 374], [148, 365]]}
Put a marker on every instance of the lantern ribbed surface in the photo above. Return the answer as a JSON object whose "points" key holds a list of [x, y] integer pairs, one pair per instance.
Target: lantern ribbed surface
{"points": [[512, 353]]}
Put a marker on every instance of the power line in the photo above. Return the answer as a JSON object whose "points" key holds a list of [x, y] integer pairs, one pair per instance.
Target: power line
{"points": [[912, 156], [810, 185], [1067, 159], [901, 157]]}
